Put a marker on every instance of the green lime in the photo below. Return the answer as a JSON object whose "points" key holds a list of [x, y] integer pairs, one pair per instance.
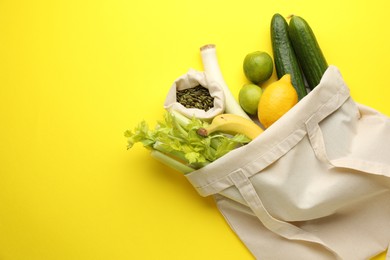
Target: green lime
{"points": [[258, 66], [249, 97]]}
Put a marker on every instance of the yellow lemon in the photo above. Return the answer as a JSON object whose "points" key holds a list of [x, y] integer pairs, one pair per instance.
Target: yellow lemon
{"points": [[279, 97]]}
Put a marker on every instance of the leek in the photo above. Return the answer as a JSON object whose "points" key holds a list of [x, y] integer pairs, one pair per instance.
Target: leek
{"points": [[212, 70]]}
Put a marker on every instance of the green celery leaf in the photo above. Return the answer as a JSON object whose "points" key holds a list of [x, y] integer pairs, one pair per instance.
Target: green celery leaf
{"points": [[177, 138]]}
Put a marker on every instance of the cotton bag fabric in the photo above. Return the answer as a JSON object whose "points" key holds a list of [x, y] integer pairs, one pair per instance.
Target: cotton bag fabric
{"points": [[314, 185], [192, 79]]}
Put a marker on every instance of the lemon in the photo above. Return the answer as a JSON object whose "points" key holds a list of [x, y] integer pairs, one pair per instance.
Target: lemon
{"points": [[249, 97], [279, 97], [258, 66]]}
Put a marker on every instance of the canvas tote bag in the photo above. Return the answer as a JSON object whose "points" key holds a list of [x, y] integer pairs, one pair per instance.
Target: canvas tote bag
{"points": [[314, 185]]}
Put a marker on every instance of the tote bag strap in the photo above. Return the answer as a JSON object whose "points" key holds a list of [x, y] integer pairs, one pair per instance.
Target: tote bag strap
{"points": [[241, 177], [282, 228], [317, 142]]}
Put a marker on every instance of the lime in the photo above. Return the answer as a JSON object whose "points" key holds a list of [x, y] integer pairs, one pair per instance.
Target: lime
{"points": [[249, 97], [258, 66]]}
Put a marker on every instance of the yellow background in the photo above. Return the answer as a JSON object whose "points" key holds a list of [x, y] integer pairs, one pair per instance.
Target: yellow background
{"points": [[74, 75]]}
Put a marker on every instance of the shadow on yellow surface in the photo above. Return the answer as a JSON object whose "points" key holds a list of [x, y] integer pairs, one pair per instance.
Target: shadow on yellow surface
{"points": [[381, 256]]}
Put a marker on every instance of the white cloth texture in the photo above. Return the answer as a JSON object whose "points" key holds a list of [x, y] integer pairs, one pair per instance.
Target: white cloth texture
{"points": [[314, 185], [192, 79]]}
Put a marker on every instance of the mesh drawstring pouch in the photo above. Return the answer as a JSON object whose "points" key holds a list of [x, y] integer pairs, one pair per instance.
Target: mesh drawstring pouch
{"points": [[314, 185]]}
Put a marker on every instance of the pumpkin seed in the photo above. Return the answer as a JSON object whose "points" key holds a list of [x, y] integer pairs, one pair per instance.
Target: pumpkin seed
{"points": [[197, 97]]}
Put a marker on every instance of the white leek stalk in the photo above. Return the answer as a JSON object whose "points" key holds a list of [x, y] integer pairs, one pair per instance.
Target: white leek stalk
{"points": [[212, 70]]}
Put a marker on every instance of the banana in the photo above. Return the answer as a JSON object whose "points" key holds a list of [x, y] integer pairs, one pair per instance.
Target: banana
{"points": [[232, 124]]}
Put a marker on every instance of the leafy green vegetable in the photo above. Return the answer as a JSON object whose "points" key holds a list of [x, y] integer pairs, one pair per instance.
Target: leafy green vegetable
{"points": [[176, 136], [169, 161]]}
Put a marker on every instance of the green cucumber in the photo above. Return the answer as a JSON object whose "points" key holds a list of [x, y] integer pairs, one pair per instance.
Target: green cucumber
{"points": [[308, 51], [285, 59]]}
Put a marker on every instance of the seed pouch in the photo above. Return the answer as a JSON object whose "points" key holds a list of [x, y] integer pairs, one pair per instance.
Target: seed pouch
{"points": [[192, 79]]}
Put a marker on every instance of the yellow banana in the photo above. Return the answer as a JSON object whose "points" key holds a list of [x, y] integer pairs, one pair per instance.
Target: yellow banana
{"points": [[232, 124]]}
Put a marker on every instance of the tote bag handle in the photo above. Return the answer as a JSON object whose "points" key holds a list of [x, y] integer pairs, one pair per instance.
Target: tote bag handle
{"points": [[316, 138], [282, 228]]}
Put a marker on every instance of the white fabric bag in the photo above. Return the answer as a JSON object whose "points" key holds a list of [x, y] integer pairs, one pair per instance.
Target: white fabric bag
{"points": [[314, 185], [192, 79]]}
